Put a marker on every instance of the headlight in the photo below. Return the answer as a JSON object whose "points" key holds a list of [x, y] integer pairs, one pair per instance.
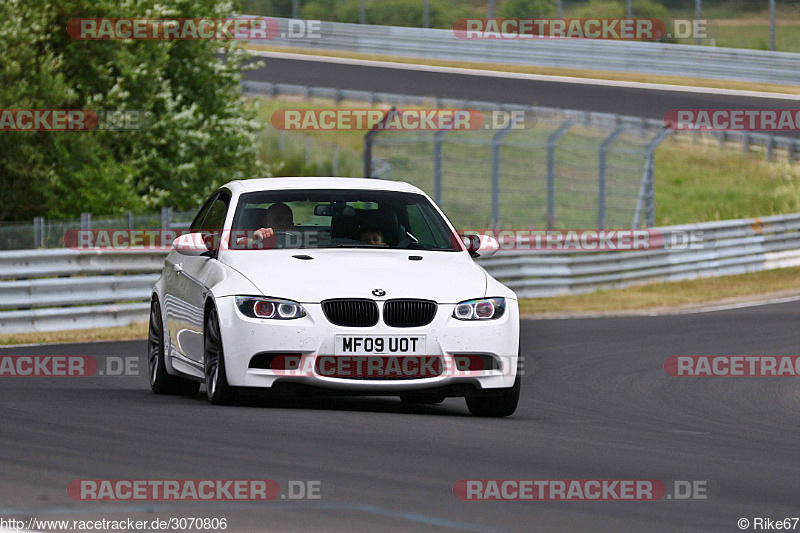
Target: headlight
{"points": [[269, 308], [483, 309]]}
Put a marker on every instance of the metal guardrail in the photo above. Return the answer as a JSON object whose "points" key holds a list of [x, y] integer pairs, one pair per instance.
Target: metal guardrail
{"points": [[726, 248], [112, 288], [620, 56]]}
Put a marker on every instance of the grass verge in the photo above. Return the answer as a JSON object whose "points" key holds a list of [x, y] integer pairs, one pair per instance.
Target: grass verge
{"points": [[122, 333], [671, 295]]}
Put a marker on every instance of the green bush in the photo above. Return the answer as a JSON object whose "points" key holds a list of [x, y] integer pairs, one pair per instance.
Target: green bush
{"points": [[202, 131]]}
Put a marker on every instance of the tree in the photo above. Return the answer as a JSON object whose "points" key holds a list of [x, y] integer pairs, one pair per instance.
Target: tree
{"points": [[202, 132]]}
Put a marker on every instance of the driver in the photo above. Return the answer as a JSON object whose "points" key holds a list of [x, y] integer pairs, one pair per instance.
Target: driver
{"points": [[278, 217]]}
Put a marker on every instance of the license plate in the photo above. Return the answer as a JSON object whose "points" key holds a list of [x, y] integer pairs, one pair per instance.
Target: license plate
{"points": [[380, 345]]}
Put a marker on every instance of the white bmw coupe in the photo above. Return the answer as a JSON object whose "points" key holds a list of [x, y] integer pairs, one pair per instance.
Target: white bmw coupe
{"points": [[294, 286]]}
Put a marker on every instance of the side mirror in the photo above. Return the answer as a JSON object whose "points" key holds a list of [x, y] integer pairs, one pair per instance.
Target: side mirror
{"points": [[192, 244], [481, 245]]}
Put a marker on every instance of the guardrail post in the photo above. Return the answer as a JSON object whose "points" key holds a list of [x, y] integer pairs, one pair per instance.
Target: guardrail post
{"points": [[335, 160], [601, 181], [792, 149], [438, 139], [770, 147], [86, 221], [38, 232], [496, 142], [551, 170], [166, 217], [746, 142]]}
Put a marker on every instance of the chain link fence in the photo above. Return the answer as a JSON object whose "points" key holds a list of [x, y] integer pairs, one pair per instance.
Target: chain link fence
{"points": [[45, 233], [554, 169]]}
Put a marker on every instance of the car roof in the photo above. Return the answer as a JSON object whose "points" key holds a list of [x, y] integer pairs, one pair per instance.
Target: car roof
{"points": [[273, 184]]}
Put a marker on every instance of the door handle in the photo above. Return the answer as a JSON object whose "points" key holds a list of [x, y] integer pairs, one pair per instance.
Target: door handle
{"points": [[177, 267]]}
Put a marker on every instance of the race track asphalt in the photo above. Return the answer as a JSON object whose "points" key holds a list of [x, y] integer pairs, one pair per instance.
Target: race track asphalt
{"points": [[637, 102], [596, 404]]}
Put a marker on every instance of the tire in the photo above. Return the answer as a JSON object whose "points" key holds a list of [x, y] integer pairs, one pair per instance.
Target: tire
{"points": [[496, 406], [421, 398], [217, 388], [160, 380]]}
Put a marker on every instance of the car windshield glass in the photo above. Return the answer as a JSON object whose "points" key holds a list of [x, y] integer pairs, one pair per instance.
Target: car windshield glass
{"points": [[340, 219]]}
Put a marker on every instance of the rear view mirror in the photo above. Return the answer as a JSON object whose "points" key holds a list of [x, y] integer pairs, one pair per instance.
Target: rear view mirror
{"points": [[331, 210], [323, 210], [481, 245]]}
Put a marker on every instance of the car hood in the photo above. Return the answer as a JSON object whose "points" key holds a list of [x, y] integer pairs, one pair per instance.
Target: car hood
{"points": [[446, 277]]}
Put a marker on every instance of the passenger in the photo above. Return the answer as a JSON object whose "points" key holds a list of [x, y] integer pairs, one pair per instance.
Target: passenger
{"points": [[372, 236]]}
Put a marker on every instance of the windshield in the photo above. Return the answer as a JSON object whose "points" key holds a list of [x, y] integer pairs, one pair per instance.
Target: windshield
{"points": [[340, 219]]}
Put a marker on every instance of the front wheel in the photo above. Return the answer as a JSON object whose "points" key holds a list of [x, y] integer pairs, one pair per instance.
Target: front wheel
{"points": [[217, 388], [496, 406], [160, 380]]}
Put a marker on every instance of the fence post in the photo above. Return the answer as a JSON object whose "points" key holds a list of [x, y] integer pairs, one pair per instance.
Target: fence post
{"points": [[551, 170], [130, 220], [647, 189], [497, 140], [746, 142], [86, 221], [369, 139], [166, 217], [335, 160], [307, 150], [281, 142], [295, 9], [601, 182], [438, 139], [792, 149], [698, 12], [38, 232]]}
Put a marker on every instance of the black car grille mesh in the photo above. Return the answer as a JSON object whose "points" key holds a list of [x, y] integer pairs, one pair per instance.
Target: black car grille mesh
{"points": [[408, 313], [351, 312]]}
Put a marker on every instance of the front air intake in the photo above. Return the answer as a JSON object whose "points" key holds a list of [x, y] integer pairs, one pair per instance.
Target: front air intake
{"points": [[352, 313], [409, 313]]}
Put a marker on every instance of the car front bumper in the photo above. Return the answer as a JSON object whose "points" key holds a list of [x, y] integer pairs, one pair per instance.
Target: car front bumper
{"points": [[314, 336]]}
